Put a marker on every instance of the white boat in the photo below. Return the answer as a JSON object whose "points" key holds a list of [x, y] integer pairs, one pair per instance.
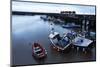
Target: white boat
{"points": [[60, 43], [44, 17], [81, 42], [71, 25]]}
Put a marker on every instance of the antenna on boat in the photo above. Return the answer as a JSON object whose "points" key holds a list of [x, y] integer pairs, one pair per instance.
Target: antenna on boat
{"points": [[87, 25], [52, 28], [83, 26], [87, 28]]}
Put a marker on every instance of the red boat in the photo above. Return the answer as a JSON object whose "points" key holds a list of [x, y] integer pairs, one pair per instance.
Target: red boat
{"points": [[38, 51]]}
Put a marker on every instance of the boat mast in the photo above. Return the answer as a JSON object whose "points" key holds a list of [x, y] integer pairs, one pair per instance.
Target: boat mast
{"points": [[52, 27]]}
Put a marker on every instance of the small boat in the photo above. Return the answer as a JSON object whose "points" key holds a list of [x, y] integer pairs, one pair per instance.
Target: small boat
{"points": [[38, 51], [59, 43], [71, 25], [58, 21]]}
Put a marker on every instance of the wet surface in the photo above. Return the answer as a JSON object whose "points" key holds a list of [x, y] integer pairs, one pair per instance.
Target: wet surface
{"points": [[29, 29]]}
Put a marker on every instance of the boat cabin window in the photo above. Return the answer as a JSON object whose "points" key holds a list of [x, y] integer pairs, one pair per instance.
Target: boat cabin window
{"points": [[55, 40], [57, 37]]}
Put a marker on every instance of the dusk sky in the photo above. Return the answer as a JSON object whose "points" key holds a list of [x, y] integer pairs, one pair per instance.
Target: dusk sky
{"points": [[51, 8]]}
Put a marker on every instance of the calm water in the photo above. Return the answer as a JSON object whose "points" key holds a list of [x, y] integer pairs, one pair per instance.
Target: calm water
{"points": [[29, 29]]}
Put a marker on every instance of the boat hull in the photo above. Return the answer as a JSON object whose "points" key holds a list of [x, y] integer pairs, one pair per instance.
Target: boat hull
{"points": [[40, 53]]}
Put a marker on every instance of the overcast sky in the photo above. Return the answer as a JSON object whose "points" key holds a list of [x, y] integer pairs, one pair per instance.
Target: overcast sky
{"points": [[51, 8]]}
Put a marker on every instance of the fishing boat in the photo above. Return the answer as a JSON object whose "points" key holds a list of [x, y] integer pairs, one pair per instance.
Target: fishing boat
{"points": [[44, 17], [81, 42], [38, 51], [59, 43], [71, 25]]}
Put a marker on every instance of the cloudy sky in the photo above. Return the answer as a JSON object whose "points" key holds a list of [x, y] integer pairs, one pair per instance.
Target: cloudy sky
{"points": [[51, 8]]}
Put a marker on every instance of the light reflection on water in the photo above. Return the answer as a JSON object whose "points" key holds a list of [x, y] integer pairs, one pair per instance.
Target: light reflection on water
{"points": [[29, 29]]}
